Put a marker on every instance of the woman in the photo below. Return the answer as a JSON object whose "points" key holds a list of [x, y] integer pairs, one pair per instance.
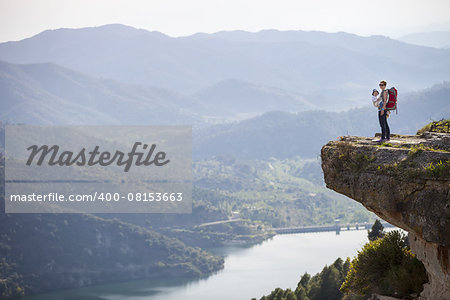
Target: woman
{"points": [[382, 113]]}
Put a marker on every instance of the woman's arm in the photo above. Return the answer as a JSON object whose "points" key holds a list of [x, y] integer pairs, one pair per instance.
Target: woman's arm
{"points": [[385, 100]]}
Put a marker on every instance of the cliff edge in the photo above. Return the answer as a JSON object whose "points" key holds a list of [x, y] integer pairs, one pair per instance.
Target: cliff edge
{"points": [[405, 182]]}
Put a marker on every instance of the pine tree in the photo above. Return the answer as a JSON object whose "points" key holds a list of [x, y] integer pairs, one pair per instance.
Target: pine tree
{"points": [[376, 232], [305, 280]]}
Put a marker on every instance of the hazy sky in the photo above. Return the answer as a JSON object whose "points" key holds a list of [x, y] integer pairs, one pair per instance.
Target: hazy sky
{"points": [[24, 18]]}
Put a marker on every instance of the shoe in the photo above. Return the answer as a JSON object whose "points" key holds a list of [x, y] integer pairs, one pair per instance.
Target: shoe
{"points": [[387, 140], [379, 141]]}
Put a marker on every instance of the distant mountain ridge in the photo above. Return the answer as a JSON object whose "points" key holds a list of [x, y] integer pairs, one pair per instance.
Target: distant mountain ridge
{"points": [[234, 97], [283, 135], [318, 65], [50, 94], [437, 39]]}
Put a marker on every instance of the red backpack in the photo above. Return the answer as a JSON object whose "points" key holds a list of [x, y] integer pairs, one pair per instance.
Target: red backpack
{"points": [[392, 99]]}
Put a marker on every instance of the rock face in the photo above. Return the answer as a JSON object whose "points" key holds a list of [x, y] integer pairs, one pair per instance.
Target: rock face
{"points": [[405, 182]]}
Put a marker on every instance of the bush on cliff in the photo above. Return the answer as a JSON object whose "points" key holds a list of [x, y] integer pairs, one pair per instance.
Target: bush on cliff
{"points": [[442, 126], [387, 267]]}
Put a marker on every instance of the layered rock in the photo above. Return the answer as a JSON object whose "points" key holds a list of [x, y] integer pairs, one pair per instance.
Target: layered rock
{"points": [[405, 182]]}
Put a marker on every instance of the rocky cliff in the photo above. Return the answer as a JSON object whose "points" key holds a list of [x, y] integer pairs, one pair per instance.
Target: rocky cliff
{"points": [[407, 183]]}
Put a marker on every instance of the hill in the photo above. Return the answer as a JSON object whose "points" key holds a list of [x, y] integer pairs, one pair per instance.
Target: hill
{"points": [[234, 98], [437, 39], [318, 65], [43, 252], [50, 94], [47, 252]]}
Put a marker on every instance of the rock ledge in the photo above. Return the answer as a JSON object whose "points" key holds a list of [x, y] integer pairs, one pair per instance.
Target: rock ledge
{"points": [[405, 182]]}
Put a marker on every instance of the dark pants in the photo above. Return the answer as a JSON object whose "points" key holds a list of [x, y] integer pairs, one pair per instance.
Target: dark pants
{"points": [[385, 131]]}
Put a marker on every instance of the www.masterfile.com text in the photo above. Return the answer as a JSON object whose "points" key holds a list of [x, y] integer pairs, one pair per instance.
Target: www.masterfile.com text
{"points": [[103, 197]]}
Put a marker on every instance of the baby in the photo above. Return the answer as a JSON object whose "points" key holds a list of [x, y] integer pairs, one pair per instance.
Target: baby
{"points": [[375, 100]]}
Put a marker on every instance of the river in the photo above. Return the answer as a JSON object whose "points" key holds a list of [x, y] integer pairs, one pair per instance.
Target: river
{"points": [[249, 272]]}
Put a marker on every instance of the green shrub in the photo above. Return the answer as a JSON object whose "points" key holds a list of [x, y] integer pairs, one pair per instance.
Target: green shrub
{"points": [[442, 126], [439, 170], [387, 267]]}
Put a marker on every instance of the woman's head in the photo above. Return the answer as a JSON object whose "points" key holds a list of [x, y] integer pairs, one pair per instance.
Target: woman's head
{"points": [[383, 84], [375, 92]]}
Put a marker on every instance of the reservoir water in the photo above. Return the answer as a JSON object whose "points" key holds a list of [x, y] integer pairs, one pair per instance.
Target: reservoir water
{"points": [[249, 272]]}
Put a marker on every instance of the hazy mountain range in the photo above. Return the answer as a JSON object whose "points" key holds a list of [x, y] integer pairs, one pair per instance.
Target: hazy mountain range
{"points": [[437, 39], [277, 84], [50, 94], [325, 68]]}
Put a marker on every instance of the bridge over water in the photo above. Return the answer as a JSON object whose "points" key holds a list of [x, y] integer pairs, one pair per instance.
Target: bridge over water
{"points": [[336, 227]]}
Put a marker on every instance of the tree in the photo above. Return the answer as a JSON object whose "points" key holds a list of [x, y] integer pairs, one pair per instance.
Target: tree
{"points": [[376, 232], [323, 285], [305, 280], [386, 267], [346, 267], [331, 283], [280, 294], [289, 295], [327, 283], [301, 293]]}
